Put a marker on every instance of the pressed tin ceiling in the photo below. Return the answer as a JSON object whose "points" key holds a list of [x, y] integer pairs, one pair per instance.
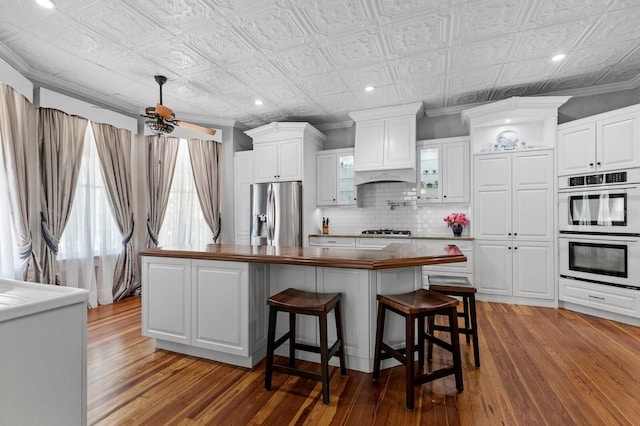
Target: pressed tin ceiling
{"points": [[310, 60]]}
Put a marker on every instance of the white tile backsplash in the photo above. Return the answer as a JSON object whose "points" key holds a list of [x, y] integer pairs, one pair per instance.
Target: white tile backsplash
{"points": [[375, 212]]}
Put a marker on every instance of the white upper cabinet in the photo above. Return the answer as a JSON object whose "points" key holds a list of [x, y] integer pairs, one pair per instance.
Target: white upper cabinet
{"points": [[278, 161], [334, 181], [600, 143], [386, 138], [443, 171]]}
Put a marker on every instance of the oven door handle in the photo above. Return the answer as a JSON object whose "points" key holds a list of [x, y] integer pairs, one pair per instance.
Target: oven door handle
{"points": [[578, 191]]}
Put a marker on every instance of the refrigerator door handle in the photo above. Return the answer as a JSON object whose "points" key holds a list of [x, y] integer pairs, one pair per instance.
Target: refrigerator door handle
{"points": [[271, 214]]}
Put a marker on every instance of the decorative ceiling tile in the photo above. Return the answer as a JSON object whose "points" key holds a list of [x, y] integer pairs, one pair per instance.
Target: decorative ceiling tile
{"points": [[479, 55], [479, 19], [560, 11], [332, 16], [356, 49], [548, 41], [519, 90], [219, 43], [275, 28], [323, 84], [423, 66], [339, 102], [616, 26], [580, 61], [217, 80], [530, 71], [426, 33], [621, 75], [373, 75], [303, 60], [389, 95], [421, 89], [256, 73], [280, 92], [180, 60], [175, 15], [471, 80], [393, 9], [469, 98], [575, 81]]}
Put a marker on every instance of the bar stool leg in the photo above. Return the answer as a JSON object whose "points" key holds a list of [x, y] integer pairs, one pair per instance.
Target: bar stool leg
{"points": [[474, 328], [465, 311], [430, 329], [292, 339], [324, 358], [421, 341], [270, 347], [410, 363], [340, 335], [455, 343], [382, 310]]}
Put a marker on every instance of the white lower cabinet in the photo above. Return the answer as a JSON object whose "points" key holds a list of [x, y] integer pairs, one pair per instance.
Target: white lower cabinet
{"points": [[458, 269], [509, 268], [208, 308], [618, 300]]}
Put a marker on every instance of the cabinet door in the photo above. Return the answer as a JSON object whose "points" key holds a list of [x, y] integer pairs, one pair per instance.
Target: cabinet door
{"points": [[258, 309], [455, 172], [492, 211], [282, 277], [243, 177], [533, 269], [493, 267], [617, 142], [290, 160], [346, 191], [400, 142], [369, 149], [430, 174], [357, 298], [533, 196], [265, 162], [220, 307], [326, 180], [166, 308], [577, 149]]}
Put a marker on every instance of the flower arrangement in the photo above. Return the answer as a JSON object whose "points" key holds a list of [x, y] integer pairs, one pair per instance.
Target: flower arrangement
{"points": [[456, 219]]}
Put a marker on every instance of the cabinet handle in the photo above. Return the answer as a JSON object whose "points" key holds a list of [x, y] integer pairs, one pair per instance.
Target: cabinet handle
{"points": [[419, 197], [596, 297], [515, 248]]}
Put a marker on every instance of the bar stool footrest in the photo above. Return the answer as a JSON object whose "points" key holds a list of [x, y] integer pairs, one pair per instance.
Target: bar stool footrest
{"points": [[297, 372]]}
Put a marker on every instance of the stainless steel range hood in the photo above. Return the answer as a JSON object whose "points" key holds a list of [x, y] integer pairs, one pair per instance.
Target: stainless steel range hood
{"points": [[395, 175]]}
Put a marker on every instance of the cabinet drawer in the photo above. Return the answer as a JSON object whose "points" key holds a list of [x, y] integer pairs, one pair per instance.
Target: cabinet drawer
{"points": [[379, 243], [332, 242], [613, 299]]}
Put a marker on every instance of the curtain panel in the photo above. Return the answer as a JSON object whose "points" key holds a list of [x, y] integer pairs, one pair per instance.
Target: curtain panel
{"points": [[60, 144], [114, 150], [204, 157], [162, 152], [16, 117]]}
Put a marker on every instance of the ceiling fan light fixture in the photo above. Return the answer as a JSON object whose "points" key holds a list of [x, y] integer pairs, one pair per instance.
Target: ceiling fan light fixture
{"points": [[159, 127]]}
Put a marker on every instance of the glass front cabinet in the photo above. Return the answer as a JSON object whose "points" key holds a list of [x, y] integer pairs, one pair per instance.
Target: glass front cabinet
{"points": [[334, 177], [443, 170]]}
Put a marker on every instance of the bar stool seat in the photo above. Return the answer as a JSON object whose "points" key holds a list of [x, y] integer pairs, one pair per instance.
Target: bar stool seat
{"points": [[459, 287], [296, 302], [418, 305]]}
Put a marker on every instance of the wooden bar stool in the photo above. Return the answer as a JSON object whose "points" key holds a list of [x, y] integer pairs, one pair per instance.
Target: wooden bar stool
{"points": [[306, 303], [417, 305], [460, 287]]}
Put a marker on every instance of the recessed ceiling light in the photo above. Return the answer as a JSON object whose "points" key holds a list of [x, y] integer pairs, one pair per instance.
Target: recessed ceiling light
{"points": [[46, 3], [559, 57], [258, 102], [369, 88], [508, 120]]}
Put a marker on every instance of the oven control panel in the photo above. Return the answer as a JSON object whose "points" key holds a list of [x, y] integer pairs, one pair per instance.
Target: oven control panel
{"points": [[598, 179]]}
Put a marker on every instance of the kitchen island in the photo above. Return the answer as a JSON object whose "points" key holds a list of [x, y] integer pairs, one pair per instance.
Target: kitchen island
{"points": [[210, 302]]}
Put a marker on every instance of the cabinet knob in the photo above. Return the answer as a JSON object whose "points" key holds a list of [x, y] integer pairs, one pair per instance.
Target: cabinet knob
{"points": [[590, 164], [599, 163], [515, 233], [334, 199], [444, 196], [419, 197], [354, 199], [509, 248], [509, 234], [515, 248]]}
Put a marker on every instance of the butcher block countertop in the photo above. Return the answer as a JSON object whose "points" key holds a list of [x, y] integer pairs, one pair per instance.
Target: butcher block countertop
{"points": [[409, 237], [392, 256]]}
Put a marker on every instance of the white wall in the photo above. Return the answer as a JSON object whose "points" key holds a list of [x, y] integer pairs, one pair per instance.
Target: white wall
{"points": [[13, 78]]}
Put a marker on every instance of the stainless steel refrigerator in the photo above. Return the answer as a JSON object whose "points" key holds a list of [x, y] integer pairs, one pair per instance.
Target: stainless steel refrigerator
{"points": [[276, 214]]}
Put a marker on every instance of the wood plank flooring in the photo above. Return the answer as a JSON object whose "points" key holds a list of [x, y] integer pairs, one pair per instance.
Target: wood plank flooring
{"points": [[539, 366]]}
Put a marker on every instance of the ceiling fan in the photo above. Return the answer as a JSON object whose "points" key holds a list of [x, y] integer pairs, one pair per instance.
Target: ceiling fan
{"points": [[163, 120]]}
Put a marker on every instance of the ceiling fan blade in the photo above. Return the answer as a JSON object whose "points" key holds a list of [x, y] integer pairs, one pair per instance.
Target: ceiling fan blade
{"points": [[195, 127], [164, 112]]}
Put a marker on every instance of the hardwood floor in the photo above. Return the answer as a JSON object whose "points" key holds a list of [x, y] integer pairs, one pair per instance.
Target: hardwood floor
{"points": [[539, 366]]}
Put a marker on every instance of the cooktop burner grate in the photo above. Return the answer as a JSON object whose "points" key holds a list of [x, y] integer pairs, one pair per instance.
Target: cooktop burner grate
{"points": [[386, 232]]}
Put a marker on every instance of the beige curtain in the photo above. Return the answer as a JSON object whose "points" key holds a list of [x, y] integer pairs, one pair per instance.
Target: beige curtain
{"points": [[60, 141], [16, 117], [204, 163], [161, 162], [114, 150]]}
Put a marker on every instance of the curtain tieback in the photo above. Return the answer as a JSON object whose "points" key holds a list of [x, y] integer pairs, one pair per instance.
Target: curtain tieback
{"points": [[152, 234], [127, 238], [50, 240], [24, 252]]}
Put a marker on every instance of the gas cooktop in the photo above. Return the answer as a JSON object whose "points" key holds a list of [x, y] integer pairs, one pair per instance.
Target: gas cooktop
{"points": [[386, 232]]}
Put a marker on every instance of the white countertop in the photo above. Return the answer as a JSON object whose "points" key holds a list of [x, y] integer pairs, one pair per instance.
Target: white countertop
{"points": [[19, 298]]}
